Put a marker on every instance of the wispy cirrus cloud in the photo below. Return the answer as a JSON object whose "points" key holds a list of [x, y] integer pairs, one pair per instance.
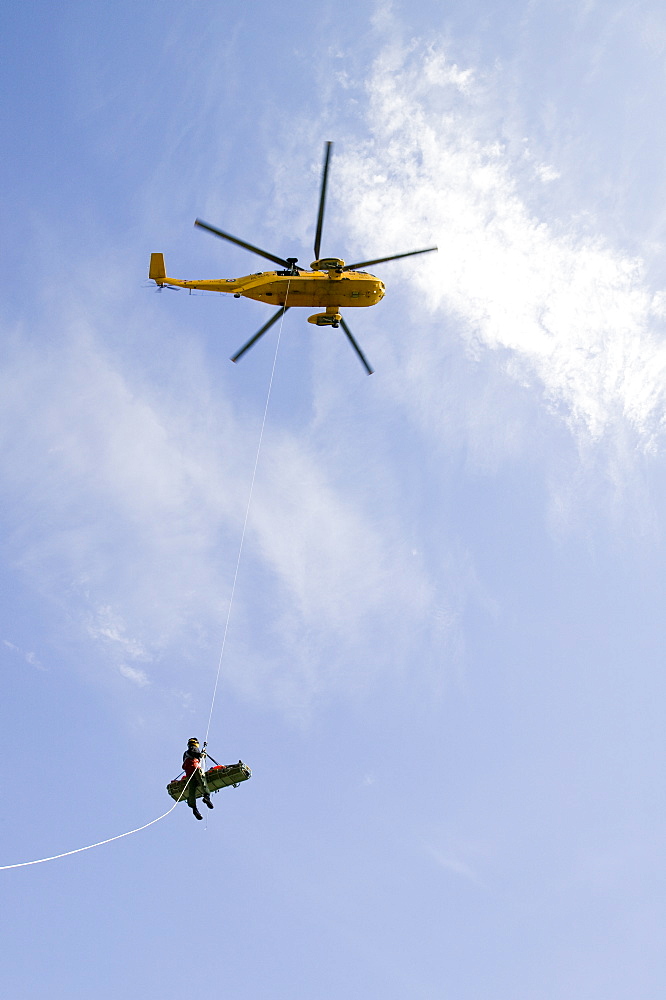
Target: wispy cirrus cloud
{"points": [[125, 500], [27, 655], [450, 857], [138, 677], [574, 317]]}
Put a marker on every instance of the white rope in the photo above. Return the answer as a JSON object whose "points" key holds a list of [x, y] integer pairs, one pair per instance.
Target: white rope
{"points": [[109, 840], [247, 514], [128, 833]]}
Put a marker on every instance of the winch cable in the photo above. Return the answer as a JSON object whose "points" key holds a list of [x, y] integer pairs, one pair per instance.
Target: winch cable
{"points": [[247, 515], [138, 829]]}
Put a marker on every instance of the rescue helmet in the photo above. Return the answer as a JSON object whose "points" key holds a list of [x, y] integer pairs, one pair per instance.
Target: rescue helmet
{"points": [[193, 740]]}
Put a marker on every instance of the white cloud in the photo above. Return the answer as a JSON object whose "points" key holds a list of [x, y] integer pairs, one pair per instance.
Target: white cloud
{"points": [[451, 860], [546, 173], [128, 498], [336, 562], [576, 315], [138, 677], [28, 656], [108, 627]]}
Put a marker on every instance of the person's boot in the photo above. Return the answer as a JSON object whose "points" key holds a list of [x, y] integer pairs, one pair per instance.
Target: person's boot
{"points": [[197, 814], [206, 799]]}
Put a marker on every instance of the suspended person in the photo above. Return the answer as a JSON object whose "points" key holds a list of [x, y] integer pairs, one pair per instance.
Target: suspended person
{"points": [[196, 777]]}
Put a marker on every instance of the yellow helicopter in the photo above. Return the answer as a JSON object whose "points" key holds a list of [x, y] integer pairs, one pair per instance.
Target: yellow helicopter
{"points": [[330, 284]]}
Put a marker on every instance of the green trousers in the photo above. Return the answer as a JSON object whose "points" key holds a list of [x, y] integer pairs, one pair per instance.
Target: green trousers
{"points": [[197, 783]]}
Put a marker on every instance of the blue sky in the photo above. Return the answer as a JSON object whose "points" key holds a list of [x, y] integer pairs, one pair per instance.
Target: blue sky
{"points": [[445, 654]]}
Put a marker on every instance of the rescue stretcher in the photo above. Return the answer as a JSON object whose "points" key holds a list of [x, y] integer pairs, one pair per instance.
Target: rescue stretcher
{"points": [[220, 776]]}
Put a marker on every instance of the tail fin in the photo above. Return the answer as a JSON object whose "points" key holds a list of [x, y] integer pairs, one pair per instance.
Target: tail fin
{"points": [[157, 270]]}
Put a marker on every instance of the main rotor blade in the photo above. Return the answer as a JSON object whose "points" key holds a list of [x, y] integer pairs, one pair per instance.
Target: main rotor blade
{"points": [[380, 260], [356, 347], [322, 199], [274, 318], [242, 243]]}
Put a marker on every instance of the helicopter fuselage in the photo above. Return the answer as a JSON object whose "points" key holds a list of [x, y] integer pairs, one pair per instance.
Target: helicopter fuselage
{"points": [[304, 288]]}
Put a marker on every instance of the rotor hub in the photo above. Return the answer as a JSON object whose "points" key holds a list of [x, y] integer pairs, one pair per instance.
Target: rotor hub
{"points": [[328, 264]]}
